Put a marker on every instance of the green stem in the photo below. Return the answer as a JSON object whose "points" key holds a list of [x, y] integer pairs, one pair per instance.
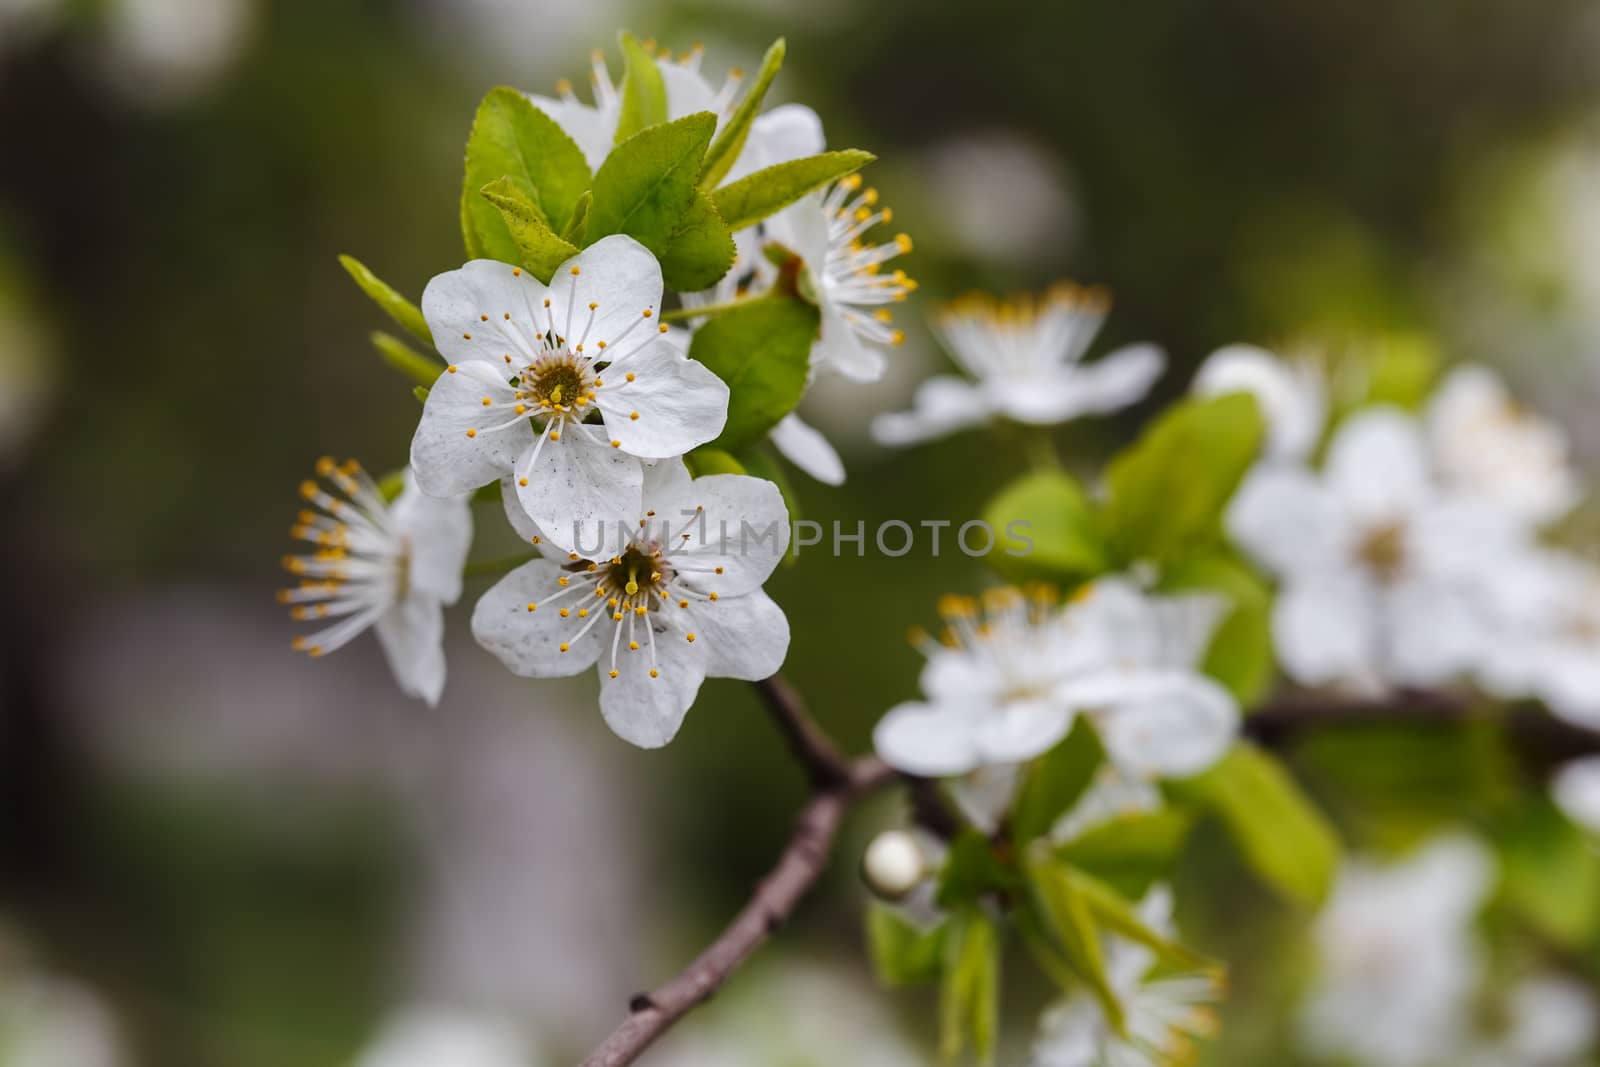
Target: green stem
{"points": [[684, 314], [1041, 449], [479, 567]]}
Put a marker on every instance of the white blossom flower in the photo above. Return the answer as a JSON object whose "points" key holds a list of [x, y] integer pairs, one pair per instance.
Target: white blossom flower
{"points": [[586, 347], [1008, 682], [1487, 445], [1113, 794], [391, 567], [1292, 395], [827, 230], [1398, 959], [669, 602], [1026, 356], [1576, 790], [1381, 570], [1164, 1015], [435, 1036], [1545, 609], [49, 1021]]}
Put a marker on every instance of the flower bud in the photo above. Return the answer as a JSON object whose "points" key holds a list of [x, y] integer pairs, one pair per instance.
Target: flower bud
{"points": [[893, 864]]}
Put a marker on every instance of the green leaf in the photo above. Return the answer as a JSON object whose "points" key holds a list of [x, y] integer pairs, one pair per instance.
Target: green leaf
{"points": [[644, 92], [513, 138], [902, 952], [1130, 851], [1045, 530], [1279, 832], [421, 369], [762, 350], [385, 296], [646, 185], [1166, 494], [724, 151], [579, 223], [969, 991], [539, 249], [704, 461], [1111, 910], [1055, 781], [755, 196], [1403, 371], [972, 870], [1240, 654], [1551, 875], [421, 393], [700, 250], [1067, 918]]}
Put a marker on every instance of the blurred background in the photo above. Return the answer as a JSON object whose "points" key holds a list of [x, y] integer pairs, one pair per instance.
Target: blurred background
{"points": [[214, 853]]}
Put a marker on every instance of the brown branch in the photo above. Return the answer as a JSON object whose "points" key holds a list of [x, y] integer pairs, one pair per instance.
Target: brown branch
{"points": [[797, 869]]}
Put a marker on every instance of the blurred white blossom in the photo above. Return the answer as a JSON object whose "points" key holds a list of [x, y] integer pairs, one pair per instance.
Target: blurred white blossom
{"points": [[1292, 395], [1001, 196], [163, 51], [439, 1036], [1576, 790]]}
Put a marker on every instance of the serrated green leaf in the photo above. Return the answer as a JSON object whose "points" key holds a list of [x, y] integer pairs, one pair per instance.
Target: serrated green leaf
{"points": [[902, 952], [1066, 917], [646, 185], [762, 350], [1166, 494], [421, 369], [755, 196], [1278, 830], [389, 299], [1053, 783], [704, 461], [1240, 653], [700, 251], [513, 138], [724, 151], [644, 91], [538, 247], [969, 988], [579, 223], [1045, 530]]}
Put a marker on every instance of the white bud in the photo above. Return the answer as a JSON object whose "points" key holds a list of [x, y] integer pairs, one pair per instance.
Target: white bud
{"points": [[893, 864]]}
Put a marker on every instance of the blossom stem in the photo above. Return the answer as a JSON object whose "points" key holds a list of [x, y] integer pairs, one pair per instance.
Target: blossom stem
{"points": [[709, 310], [1041, 449]]}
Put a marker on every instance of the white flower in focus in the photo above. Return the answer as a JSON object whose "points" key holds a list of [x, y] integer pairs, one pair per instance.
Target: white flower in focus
{"points": [[665, 604], [1007, 683], [447, 1037], [1576, 790], [387, 566], [1026, 356], [1487, 445], [1292, 395], [1398, 958], [1381, 571], [1164, 1015], [587, 345], [827, 230]]}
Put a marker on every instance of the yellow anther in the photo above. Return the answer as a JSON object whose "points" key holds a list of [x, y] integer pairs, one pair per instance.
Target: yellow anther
{"points": [[641, 611], [886, 215], [850, 184], [630, 376], [487, 402], [565, 613], [563, 647], [593, 304], [648, 313], [613, 673], [633, 646], [633, 416], [664, 328], [563, 581], [652, 672], [575, 272], [563, 87], [683, 603], [522, 409], [555, 435], [898, 337], [516, 272], [713, 596], [583, 613], [451, 368], [616, 616], [903, 241], [690, 636], [533, 607], [718, 570], [466, 337], [616, 444], [472, 433]]}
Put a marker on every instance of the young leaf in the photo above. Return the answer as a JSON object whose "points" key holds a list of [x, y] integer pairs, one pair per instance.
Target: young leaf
{"points": [[755, 196], [1066, 917], [1278, 830], [1055, 781], [538, 248], [1551, 875], [1131, 851], [700, 250], [969, 989], [511, 137], [644, 92], [1166, 494], [724, 151], [902, 952], [1113, 912], [762, 351], [424, 370], [645, 186], [704, 461], [579, 223], [1045, 530], [385, 296], [1240, 654]]}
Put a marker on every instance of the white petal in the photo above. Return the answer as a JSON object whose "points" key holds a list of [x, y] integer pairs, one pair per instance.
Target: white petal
{"points": [[1291, 397], [1288, 521], [466, 309], [1107, 384], [741, 527], [838, 347], [412, 637], [529, 642], [523, 523], [679, 403], [1577, 790], [1019, 730], [955, 676], [648, 711], [1435, 632], [1171, 724], [807, 449], [940, 406], [1325, 628], [745, 637], [787, 132], [439, 530], [449, 462], [579, 489], [929, 739], [687, 90], [623, 280], [802, 228], [1378, 465], [663, 479]]}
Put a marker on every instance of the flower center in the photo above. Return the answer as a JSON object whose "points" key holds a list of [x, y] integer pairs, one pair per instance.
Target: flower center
{"points": [[1383, 550], [558, 382], [636, 579]]}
